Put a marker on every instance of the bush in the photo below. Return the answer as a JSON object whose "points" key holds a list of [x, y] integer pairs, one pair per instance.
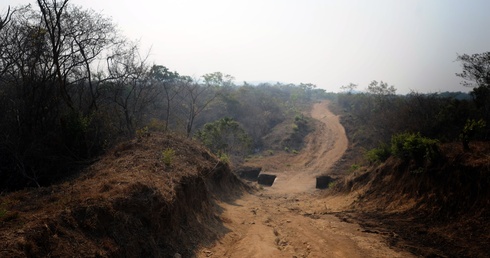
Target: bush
{"points": [[379, 154], [223, 157], [168, 156], [414, 146]]}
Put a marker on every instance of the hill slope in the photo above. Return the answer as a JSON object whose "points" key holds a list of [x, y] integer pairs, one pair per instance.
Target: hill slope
{"points": [[132, 203], [440, 210]]}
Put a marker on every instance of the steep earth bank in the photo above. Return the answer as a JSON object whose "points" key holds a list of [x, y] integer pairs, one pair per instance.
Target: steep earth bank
{"points": [[151, 197]]}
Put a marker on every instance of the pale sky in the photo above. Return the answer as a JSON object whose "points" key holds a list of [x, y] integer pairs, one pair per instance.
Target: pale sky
{"points": [[411, 44]]}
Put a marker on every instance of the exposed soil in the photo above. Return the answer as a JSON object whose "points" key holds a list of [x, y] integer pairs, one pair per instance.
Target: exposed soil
{"points": [[132, 203], [291, 218]]}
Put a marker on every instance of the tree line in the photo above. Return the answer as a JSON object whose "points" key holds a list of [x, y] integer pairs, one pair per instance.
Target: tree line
{"points": [[72, 86], [381, 116]]}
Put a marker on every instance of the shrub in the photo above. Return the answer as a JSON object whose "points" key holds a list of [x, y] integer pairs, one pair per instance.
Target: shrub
{"points": [[223, 157], [379, 154], [168, 156], [414, 146], [354, 167], [142, 132]]}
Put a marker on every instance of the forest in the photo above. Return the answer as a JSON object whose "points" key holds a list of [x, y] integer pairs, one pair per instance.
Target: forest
{"points": [[73, 87]]}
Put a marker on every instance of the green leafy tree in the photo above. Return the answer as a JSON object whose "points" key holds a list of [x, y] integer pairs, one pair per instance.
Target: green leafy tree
{"points": [[476, 74], [349, 88], [476, 69], [381, 88], [218, 79], [225, 136]]}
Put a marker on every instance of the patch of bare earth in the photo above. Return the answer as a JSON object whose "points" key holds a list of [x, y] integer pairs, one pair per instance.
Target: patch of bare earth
{"points": [[291, 218]]}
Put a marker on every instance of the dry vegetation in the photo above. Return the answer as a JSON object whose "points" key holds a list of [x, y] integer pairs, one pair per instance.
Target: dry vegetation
{"points": [[128, 204], [436, 207]]}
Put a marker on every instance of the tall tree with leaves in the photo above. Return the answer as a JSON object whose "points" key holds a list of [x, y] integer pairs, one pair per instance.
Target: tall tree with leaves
{"points": [[476, 74]]}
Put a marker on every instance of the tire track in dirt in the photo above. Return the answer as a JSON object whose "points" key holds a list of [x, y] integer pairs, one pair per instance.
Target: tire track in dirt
{"points": [[289, 219]]}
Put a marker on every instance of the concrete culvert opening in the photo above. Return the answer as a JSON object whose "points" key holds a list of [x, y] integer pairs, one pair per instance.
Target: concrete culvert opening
{"points": [[266, 179], [322, 182], [249, 173]]}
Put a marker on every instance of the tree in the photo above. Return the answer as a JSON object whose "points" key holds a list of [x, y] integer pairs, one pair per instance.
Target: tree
{"points": [[168, 80], [4, 22], [195, 98], [52, 17], [476, 74], [218, 79], [381, 88], [225, 136], [51, 84], [129, 86], [349, 88], [476, 70]]}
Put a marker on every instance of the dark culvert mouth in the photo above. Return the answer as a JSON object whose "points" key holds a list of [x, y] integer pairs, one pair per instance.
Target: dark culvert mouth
{"points": [[249, 173], [266, 179], [322, 182]]}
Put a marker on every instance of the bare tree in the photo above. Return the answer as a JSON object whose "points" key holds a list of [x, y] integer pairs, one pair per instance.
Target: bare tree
{"points": [[4, 21], [6, 18], [130, 87], [52, 12], [195, 98], [168, 81]]}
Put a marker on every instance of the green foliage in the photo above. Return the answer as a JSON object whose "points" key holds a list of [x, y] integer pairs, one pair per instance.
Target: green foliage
{"points": [[168, 156], [414, 146], [379, 154], [381, 88], [225, 136], [471, 128], [354, 167], [223, 157], [295, 128], [142, 132]]}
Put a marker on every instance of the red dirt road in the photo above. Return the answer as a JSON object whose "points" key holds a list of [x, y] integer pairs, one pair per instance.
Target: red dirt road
{"points": [[290, 219]]}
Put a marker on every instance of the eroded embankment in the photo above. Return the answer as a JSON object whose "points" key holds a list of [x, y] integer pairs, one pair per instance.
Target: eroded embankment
{"points": [[133, 203], [438, 210]]}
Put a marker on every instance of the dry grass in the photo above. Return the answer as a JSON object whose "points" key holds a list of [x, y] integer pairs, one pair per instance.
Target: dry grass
{"points": [[129, 203], [443, 211]]}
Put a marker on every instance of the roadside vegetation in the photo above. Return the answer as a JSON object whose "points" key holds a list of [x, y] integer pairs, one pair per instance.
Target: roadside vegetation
{"points": [[422, 163]]}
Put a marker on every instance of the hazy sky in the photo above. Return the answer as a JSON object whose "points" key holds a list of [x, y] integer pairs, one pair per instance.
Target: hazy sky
{"points": [[412, 44]]}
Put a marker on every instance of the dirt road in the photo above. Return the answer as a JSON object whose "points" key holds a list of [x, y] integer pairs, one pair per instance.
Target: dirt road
{"points": [[290, 219]]}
